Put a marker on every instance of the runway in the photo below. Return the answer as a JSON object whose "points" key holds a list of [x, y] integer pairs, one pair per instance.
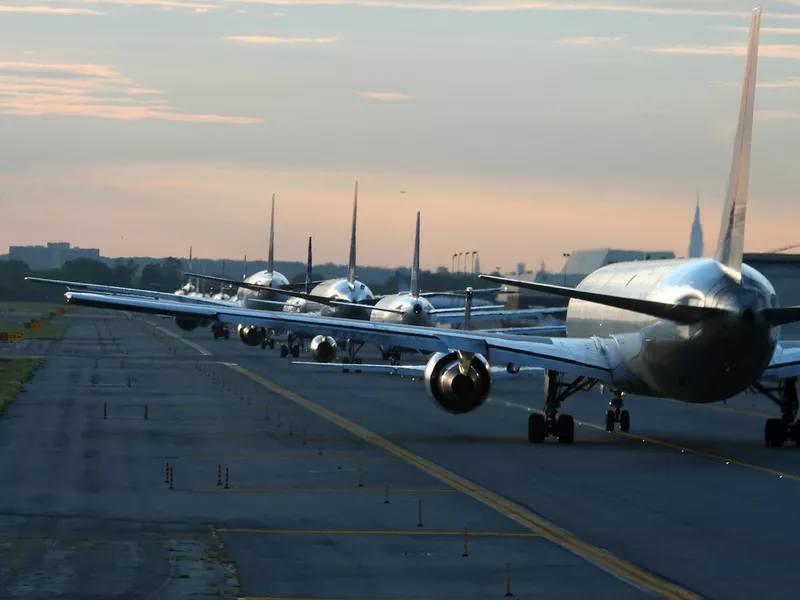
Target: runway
{"points": [[690, 504]]}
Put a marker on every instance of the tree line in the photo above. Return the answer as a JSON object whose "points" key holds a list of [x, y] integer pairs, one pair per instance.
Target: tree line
{"points": [[167, 275]]}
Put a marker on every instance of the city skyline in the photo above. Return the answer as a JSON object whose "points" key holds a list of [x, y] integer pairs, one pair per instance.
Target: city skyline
{"points": [[521, 129]]}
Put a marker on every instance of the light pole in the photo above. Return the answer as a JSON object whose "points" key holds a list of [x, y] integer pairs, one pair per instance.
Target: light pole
{"points": [[566, 255], [458, 264], [466, 254], [453, 269], [474, 254]]}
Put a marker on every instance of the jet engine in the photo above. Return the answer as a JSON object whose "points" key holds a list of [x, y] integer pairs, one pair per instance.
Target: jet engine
{"points": [[323, 348], [452, 391], [189, 324], [252, 336]]}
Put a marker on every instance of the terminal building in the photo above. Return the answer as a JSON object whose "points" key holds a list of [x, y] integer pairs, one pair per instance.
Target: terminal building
{"points": [[51, 256]]}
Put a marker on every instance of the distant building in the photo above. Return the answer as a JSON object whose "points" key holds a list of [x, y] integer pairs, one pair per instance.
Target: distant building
{"points": [[52, 256], [696, 237]]}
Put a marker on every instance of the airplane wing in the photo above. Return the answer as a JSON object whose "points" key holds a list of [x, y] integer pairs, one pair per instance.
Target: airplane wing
{"points": [[785, 362], [493, 314], [576, 356], [413, 371], [125, 291]]}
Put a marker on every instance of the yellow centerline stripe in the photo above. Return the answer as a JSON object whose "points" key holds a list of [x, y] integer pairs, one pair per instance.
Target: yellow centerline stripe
{"points": [[327, 490], [613, 565]]}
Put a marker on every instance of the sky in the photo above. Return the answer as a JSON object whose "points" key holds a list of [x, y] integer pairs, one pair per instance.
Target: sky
{"points": [[521, 129]]}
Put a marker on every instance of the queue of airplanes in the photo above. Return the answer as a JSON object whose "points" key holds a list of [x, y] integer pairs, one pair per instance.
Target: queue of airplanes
{"points": [[698, 330]]}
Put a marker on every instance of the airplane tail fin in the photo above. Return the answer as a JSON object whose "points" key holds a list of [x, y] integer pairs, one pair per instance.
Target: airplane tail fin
{"points": [[414, 289], [271, 258], [730, 244], [309, 266], [351, 267]]}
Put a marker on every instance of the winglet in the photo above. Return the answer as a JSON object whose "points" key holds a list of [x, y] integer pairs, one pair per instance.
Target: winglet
{"points": [[730, 243], [351, 267], [271, 258], [414, 289], [309, 266]]}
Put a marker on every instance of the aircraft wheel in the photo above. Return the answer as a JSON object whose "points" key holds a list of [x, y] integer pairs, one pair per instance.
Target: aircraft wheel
{"points": [[227, 334], [537, 429], [565, 426], [264, 344], [774, 433], [284, 351], [797, 433], [624, 421], [295, 351], [271, 344], [610, 420], [386, 355]]}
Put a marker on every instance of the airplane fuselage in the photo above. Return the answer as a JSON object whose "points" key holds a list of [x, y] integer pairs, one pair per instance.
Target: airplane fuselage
{"points": [[697, 363], [272, 279], [416, 311], [339, 289]]}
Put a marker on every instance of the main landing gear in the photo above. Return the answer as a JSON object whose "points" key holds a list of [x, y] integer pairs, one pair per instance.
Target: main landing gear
{"points": [[778, 431], [551, 423], [290, 347], [350, 359], [615, 414], [392, 356], [220, 330]]}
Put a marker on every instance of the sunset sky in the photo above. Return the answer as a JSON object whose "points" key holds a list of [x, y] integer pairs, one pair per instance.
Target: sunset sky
{"points": [[521, 129]]}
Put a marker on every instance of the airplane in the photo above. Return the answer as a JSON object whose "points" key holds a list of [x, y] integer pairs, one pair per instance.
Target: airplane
{"points": [[698, 330], [411, 307]]}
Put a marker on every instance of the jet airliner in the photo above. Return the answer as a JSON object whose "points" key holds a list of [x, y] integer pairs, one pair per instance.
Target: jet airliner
{"points": [[695, 330]]}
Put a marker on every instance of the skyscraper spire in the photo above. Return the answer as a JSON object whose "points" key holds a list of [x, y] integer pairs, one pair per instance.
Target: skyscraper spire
{"points": [[696, 237]]}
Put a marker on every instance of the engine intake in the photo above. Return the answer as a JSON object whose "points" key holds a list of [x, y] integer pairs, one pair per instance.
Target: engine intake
{"points": [[452, 391], [323, 349], [252, 336]]}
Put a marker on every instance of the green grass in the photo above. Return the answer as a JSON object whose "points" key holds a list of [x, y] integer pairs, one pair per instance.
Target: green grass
{"points": [[14, 315], [14, 372]]}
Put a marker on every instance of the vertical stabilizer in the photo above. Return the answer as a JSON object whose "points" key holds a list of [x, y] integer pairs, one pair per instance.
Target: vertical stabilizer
{"points": [[730, 243], [351, 266], [415, 264], [271, 257], [309, 267]]}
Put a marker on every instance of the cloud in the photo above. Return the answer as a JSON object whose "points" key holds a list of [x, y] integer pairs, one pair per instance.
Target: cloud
{"points": [[261, 39], [199, 6], [771, 51], [630, 6], [384, 96], [87, 90], [786, 83], [772, 30], [776, 115], [588, 40], [49, 10]]}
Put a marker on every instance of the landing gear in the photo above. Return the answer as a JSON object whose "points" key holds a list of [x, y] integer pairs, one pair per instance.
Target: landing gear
{"points": [[778, 431], [615, 414], [286, 351], [270, 343], [350, 359], [551, 423], [220, 330]]}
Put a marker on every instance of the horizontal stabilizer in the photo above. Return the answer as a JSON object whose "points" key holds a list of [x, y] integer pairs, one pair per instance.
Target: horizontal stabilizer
{"points": [[660, 310], [781, 316]]}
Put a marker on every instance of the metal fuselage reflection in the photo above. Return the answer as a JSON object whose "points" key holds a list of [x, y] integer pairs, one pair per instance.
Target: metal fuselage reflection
{"points": [[698, 363]]}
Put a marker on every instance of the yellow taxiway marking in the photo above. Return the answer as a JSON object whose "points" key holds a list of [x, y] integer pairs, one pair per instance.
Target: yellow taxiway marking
{"points": [[460, 532], [621, 569], [325, 490], [189, 343], [314, 457], [682, 449]]}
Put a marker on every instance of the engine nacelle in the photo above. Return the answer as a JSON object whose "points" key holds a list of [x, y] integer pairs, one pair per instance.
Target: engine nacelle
{"points": [[187, 324], [323, 349], [252, 336], [453, 392]]}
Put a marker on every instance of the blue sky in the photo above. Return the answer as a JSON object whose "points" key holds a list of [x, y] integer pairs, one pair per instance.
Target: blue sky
{"points": [[522, 129]]}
